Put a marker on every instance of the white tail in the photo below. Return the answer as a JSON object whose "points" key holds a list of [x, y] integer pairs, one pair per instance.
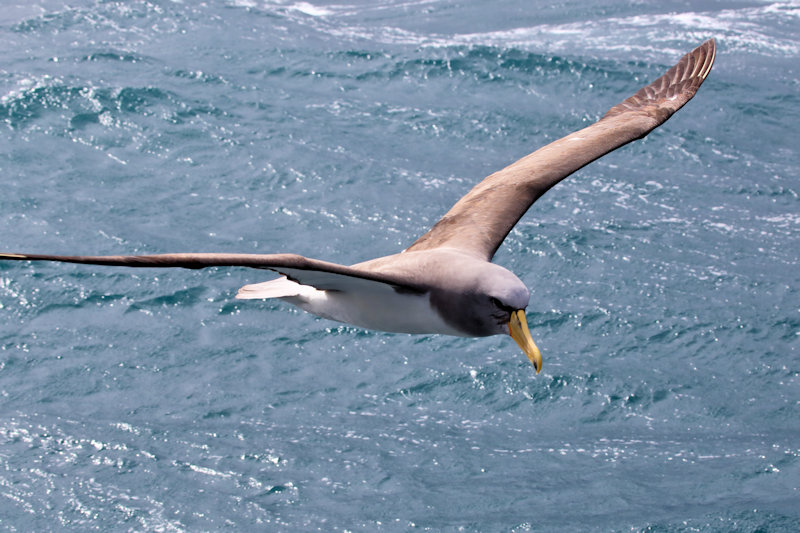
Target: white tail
{"points": [[276, 288]]}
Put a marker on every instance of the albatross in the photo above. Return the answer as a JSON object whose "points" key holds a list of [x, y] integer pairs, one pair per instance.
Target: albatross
{"points": [[445, 282]]}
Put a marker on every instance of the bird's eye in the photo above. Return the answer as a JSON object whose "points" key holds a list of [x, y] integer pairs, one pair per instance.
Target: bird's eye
{"points": [[497, 303]]}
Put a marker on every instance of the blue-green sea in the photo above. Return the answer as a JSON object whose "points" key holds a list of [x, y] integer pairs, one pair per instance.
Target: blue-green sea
{"points": [[665, 277]]}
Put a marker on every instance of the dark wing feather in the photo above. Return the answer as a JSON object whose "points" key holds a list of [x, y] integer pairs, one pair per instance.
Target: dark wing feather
{"points": [[296, 267], [480, 221]]}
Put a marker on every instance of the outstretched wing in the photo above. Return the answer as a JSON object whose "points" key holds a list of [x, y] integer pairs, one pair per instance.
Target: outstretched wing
{"points": [[321, 275], [480, 221]]}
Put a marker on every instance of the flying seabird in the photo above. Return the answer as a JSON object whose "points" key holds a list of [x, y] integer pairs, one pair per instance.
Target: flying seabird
{"points": [[445, 281]]}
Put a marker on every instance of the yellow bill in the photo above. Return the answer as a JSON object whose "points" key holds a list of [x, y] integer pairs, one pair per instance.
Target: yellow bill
{"points": [[518, 327]]}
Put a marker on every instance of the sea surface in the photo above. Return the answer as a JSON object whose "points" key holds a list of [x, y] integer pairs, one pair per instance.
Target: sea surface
{"points": [[665, 277]]}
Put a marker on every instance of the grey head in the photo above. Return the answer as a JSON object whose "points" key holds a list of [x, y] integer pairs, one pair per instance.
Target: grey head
{"points": [[479, 297]]}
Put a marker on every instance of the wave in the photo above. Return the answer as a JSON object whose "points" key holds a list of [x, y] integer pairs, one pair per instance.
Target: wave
{"points": [[765, 29]]}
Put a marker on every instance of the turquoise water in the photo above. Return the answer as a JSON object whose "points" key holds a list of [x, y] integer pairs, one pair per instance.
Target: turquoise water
{"points": [[664, 277]]}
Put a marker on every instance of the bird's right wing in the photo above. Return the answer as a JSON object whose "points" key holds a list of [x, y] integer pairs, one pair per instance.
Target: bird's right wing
{"points": [[321, 275], [480, 221]]}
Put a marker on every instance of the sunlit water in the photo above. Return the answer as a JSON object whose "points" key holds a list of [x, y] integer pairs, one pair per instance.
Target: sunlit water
{"points": [[664, 277]]}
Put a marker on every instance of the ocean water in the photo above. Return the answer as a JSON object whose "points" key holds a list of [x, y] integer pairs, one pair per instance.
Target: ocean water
{"points": [[664, 277]]}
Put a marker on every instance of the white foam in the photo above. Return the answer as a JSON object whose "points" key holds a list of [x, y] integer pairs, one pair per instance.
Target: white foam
{"points": [[309, 9], [652, 35], [301, 7]]}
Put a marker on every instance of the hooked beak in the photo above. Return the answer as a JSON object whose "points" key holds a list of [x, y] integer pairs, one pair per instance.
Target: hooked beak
{"points": [[518, 327]]}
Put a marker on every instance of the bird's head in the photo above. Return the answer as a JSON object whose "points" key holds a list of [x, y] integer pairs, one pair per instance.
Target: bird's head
{"points": [[487, 299]]}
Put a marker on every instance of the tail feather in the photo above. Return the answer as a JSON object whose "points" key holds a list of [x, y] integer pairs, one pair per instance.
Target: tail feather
{"points": [[276, 288]]}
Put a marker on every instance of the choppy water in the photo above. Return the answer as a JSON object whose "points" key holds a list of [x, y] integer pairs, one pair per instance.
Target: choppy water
{"points": [[664, 277]]}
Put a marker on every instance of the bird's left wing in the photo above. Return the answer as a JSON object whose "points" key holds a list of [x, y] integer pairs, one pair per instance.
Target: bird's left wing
{"points": [[479, 222], [321, 275]]}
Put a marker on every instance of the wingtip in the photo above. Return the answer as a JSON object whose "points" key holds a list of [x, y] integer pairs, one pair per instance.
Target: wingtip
{"points": [[694, 66], [702, 59], [674, 88], [711, 46]]}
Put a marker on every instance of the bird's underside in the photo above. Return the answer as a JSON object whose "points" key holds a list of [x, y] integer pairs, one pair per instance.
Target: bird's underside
{"points": [[445, 278]]}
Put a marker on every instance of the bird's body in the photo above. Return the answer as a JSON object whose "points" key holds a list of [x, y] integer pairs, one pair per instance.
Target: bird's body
{"points": [[445, 281], [442, 283], [369, 304]]}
